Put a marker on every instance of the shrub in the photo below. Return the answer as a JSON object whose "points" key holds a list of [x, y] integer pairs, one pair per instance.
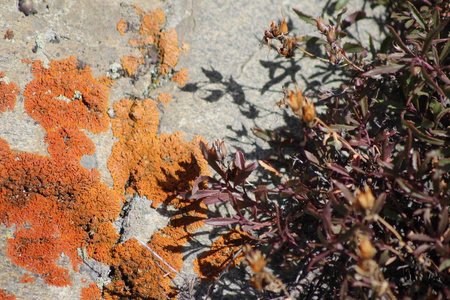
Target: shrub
{"points": [[360, 196]]}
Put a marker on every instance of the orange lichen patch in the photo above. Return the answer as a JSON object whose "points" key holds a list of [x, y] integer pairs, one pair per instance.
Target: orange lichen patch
{"points": [[221, 254], [181, 77], [134, 273], [169, 241], [57, 206], [8, 94], [4, 295], [65, 94], [122, 26], [26, 278], [164, 98], [151, 33], [69, 142], [26, 60], [158, 167], [168, 51], [152, 21], [91, 292], [131, 63]]}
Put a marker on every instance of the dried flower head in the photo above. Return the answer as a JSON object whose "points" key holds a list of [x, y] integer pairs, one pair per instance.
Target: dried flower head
{"points": [[365, 200], [254, 259], [366, 248]]}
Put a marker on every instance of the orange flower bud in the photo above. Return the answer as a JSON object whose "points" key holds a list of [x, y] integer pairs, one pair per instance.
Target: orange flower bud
{"points": [[309, 111], [284, 27], [366, 249], [365, 200]]}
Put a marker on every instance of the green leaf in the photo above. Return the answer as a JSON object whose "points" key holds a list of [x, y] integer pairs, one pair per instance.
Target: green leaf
{"points": [[431, 82], [445, 51], [364, 106], [399, 41], [373, 51], [305, 17], [416, 15], [419, 134], [353, 48], [431, 35], [310, 40], [340, 4]]}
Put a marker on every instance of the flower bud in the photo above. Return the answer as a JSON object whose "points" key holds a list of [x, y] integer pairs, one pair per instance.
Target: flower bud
{"points": [[331, 35], [321, 25], [309, 112], [366, 249], [284, 27], [365, 199]]}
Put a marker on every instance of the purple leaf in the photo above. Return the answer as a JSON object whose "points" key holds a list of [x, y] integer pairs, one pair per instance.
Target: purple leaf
{"points": [[203, 193], [386, 69], [220, 221], [217, 198], [239, 160], [242, 175], [420, 237]]}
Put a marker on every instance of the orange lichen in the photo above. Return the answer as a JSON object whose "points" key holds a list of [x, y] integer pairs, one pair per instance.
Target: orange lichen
{"points": [[122, 26], [164, 98], [26, 278], [66, 94], [69, 142], [158, 167], [181, 77], [56, 205], [131, 63], [151, 32], [152, 21], [91, 292], [26, 60], [4, 295], [8, 94], [169, 241], [134, 273], [222, 254]]}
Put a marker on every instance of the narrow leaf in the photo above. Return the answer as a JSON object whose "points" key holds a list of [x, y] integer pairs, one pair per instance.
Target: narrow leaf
{"points": [[305, 17], [353, 48], [416, 15], [444, 265], [431, 36], [340, 4], [347, 193], [420, 237], [311, 158], [385, 69], [203, 193], [399, 41], [217, 198], [269, 168], [220, 221], [239, 160], [419, 134]]}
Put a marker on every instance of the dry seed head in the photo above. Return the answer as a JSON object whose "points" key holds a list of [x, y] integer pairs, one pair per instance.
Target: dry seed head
{"points": [[331, 34], [296, 100], [365, 199], [254, 258], [366, 249], [321, 25], [309, 112], [284, 27]]}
